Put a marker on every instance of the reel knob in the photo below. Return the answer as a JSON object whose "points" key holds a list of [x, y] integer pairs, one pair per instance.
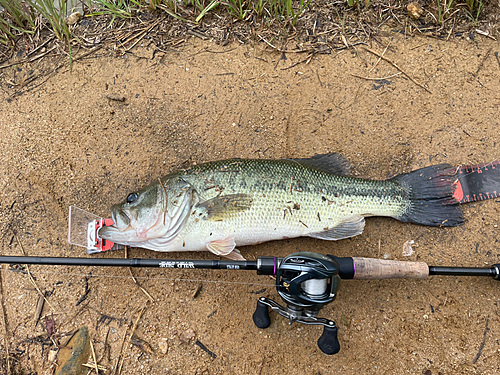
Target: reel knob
{"points": [[261, 315], [328, 343]]}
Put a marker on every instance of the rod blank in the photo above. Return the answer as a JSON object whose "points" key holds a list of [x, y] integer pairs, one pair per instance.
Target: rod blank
{"points": [[134, 262], [465, 271]]}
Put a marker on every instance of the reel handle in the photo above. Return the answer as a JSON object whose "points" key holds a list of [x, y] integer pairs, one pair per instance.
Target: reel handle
{"points": [[328, 343], [261, 315]]}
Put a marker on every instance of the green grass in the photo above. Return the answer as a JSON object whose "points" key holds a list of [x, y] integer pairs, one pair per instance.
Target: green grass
{"points": [[287, 11], [115, 8], [18, 16], [55, 16], [474, 10], [444, 8], [5, 34]]}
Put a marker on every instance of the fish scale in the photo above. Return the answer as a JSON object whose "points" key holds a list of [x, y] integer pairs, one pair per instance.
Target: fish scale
{"points": [[247, 201]]}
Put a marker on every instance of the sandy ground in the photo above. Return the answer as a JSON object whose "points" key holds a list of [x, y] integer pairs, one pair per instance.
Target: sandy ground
{"points": [[66, 143]]}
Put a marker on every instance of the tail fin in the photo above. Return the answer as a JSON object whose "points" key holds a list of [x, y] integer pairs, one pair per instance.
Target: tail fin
{"points": [[430, 191]]}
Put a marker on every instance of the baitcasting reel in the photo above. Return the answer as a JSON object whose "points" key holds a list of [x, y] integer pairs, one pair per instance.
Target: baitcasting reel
{"points": [[306, 282]]}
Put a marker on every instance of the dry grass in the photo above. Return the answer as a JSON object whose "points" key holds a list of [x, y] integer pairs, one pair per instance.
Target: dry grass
{"points": [[29, 28]]}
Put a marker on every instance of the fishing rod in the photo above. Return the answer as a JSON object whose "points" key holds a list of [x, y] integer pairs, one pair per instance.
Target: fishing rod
{"points": [[305, 281]]}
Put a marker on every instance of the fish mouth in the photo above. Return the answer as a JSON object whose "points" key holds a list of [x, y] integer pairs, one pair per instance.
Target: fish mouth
{"points": [[121, 225], [120, 219]]}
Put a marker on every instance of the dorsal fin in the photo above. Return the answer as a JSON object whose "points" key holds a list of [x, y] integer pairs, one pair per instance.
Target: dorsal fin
{"points": [[333, 162]]}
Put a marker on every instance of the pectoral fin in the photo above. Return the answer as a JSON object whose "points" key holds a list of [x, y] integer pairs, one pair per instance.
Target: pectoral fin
{"points": [[348, 228], [226, 248], [222, 207]]}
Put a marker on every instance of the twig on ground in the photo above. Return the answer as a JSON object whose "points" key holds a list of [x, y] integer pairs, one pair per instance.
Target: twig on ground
{"points": [[144, 33], [482, 62], [135, 280], [93, 366], [87, 53], [31, 276], [348, 46], [481, 32], [39, 309], [380, 58], [197, 291], [376, 79], [116, 98], [139, 36], [72, 318], [498, 59], [204, 348], [106, 346], [197, 34], [4, 323], [417, 46], [41, 45], [119, 363], [126, 35], [306, 60], [94, 357], [150, 297], [319, 79], [47, 77], [398, 68], [265, 41], [29, 60], [481, 347]]}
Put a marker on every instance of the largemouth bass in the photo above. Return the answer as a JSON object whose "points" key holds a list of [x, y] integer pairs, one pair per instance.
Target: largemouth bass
{"points": [[219, 205]]}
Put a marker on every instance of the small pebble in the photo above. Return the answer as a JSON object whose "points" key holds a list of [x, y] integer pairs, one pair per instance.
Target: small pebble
{"points": [[74, 18], [187, 336], [407, 249], [163, 345], [415, 11], [52, 355]]}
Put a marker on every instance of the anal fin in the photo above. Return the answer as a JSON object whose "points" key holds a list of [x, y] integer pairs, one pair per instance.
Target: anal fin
{"points": [[225, 247], [350, 227]]}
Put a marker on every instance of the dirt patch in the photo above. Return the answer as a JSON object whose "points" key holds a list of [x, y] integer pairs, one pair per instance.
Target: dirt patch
{"points": [[67, 142]]}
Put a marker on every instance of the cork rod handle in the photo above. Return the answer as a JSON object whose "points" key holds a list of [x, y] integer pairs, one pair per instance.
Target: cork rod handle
{"points": [[368, 268]]}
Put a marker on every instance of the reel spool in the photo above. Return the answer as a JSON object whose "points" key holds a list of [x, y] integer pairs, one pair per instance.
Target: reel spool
{"points": [[306, 282]]}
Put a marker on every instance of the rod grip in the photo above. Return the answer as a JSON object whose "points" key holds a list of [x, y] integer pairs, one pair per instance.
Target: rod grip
{"points": [[371, 269]]}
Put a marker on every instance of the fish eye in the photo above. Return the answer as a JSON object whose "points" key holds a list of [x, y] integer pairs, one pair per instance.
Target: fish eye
{"points": [[132, 197]]}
